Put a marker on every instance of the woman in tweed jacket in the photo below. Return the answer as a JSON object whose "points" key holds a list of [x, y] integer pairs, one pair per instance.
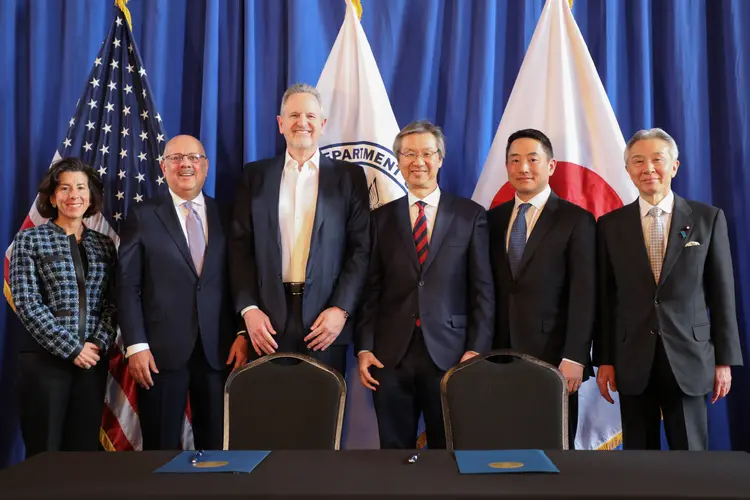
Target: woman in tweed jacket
{"points": [[60, 277]]}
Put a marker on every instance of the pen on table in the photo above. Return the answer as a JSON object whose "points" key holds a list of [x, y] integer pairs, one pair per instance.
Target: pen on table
{"points": [[413, 459], [196, 457]]}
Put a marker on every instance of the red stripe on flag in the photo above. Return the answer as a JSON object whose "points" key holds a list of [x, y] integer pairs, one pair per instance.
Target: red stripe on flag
{"points": [[112, 427], [118, 368]]}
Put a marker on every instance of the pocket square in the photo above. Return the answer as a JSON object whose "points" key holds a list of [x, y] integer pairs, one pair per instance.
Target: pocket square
{"points": [[692, 243]]}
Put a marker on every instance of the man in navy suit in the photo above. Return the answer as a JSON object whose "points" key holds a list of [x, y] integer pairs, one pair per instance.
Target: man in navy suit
{"points": [[544, 261], [429, 301], [669, 325], [300, 240], [174, 305]]}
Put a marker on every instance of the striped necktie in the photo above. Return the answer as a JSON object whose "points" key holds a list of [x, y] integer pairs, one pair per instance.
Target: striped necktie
{"points": [[420, 234]]}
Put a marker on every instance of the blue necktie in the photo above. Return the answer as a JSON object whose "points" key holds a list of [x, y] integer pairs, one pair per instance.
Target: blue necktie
{"points": [[517, 240]]}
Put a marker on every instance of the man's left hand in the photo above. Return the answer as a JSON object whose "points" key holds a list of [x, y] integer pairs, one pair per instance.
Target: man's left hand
{"points": [[326, 329], [468, 355], [722, 382], [238, 352], [573, 373]]}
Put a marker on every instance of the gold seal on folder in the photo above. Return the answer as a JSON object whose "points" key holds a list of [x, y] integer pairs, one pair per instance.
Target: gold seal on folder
{"points": [[506, 465], [210, 465]]}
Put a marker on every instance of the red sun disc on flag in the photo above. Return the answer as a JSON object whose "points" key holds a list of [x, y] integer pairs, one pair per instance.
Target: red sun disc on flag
{"points": [[577, 184]]}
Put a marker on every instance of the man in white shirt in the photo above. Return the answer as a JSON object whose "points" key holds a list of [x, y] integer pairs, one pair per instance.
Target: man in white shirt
{"points": [[543, 261], [429, 298], [174, 304], [668, 331], [299, 247]]}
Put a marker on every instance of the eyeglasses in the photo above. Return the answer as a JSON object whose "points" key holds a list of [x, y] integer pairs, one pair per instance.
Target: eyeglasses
{"points": [[426, 156], [192, 158]]}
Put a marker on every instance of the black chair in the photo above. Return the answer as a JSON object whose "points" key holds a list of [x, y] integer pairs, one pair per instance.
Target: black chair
{"points": [[284, 401], [505, 400]]}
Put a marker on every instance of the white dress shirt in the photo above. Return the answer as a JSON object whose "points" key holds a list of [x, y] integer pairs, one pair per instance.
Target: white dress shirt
{"points": [[199, 205], [667, 207], [532, 214], [538, 203], [430, 210], [298, 199]]}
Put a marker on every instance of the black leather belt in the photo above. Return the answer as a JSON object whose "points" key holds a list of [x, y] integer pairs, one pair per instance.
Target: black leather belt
{"points": [[294, 288]]}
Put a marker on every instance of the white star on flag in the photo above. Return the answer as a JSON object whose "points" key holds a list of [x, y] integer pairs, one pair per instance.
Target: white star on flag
{"points": [[144, 135], [118, 21], [92, 104], [90, 125], [126, 110], [112, 86], [160, 180], [104, 150], [158, 117], [140, 177], [102, 171], [130, 68], [67, 142], [87, 146], [144, 115], [124, 132], [116, 43], [138, 198], [159, 137], [120, 195], [97, 62], [117, 216], [121, 175], [94, 82], [128, 89], [107, 128], [110, 107], [123, 153], [142, 156], [72, 122], [115, 64]]}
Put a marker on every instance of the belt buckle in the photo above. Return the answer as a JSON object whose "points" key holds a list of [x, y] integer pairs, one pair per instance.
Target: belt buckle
{"points": [[295, 288]]}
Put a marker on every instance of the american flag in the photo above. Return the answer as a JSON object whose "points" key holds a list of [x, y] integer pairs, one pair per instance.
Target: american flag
{"points": [[117, 130]]}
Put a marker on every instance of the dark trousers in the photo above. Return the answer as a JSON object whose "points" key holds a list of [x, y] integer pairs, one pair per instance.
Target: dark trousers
{"points": [[685, 419], [162, 407], [292, 338], [572, 420], [60, 404], [406, 390]]}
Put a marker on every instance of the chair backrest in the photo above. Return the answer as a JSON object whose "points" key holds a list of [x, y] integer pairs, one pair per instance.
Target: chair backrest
{"points": [[284, 401], [505, 400]]}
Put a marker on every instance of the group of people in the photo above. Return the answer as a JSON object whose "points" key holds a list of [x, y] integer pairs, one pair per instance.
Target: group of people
{"points": [[420, 284]]}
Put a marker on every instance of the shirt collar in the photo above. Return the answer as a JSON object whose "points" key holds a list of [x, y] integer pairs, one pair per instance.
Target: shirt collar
{"points": [[537, 201], [198, 200], [667, 204], [313, 162], [431, 199]]}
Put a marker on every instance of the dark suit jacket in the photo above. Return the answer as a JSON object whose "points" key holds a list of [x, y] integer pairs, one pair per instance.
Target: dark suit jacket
{"points": [[548, 311], [160, 297], [452, 293], [692, 307], [339, 246]]}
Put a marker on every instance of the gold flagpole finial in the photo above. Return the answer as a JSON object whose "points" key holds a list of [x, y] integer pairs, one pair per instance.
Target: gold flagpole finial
{"points": [[122, 5], [357, 4], [570, 4]]}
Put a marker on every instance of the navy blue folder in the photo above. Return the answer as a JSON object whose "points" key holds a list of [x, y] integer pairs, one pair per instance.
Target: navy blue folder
{"points": [[503, 461], [214, 461]]}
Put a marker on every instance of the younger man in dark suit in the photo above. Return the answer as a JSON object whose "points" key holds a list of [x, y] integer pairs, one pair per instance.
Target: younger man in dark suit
{"points": [[543, 262]]}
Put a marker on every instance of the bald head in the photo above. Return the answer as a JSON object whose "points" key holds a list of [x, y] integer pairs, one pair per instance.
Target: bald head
{"points": [[185, 166]]}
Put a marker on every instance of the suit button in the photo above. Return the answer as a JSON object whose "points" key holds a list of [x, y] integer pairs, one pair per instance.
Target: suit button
{"points": [[199, 287], [421, 283], [657, 302], [413, 315], [279, 275], [654, 332]]}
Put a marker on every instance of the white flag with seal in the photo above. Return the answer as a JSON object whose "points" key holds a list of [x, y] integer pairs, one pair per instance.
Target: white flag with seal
{"points": [[558, 91], [361, 128]]}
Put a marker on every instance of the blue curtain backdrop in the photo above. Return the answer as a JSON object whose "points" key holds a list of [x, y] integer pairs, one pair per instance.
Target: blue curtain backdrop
{"points": [[219, 68]]}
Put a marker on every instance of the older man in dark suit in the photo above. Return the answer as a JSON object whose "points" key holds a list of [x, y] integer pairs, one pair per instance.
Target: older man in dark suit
{"points": [[300, 241], [669, 328], [429, 297], [174, 305]]}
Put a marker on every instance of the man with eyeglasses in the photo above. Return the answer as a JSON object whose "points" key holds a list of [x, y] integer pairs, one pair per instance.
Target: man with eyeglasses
{"points": [[429, 301], [299, 245], [543, 261], [174, 304]]}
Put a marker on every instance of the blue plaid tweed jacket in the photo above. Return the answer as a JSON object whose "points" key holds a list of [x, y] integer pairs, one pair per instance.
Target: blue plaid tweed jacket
{"points": [[59, 307]]}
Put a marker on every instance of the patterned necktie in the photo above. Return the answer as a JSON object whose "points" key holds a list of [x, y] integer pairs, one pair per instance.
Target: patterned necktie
{"points": [[420, 234], [195, 236], [517, 241], [656, 242]]}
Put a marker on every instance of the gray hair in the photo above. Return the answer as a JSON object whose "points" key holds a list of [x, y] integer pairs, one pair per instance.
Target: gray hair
{"points": [[654, 133], [421, 127], [300, 88]]}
